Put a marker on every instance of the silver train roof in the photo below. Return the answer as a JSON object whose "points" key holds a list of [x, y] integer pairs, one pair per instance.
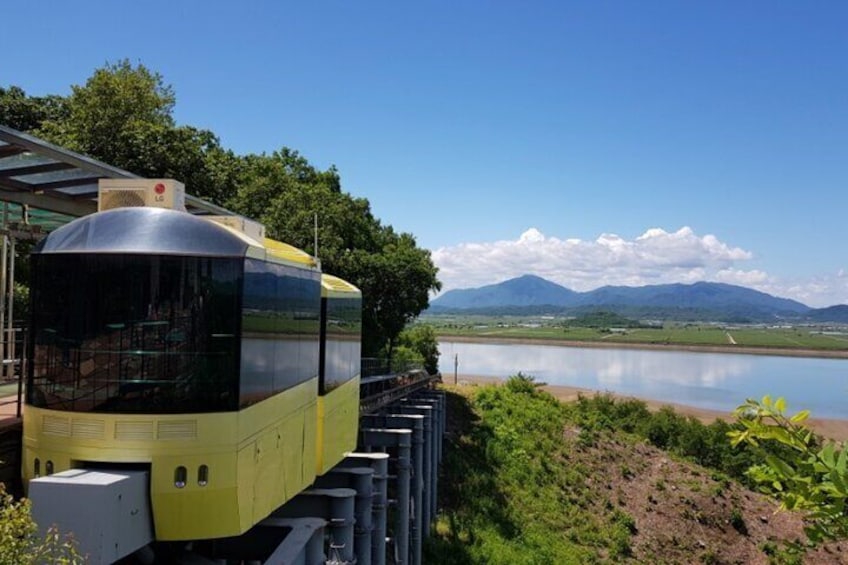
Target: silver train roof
{"points": [[143, 231]]}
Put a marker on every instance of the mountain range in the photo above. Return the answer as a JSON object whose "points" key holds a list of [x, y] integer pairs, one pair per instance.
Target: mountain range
{"points": [[530, 294]]}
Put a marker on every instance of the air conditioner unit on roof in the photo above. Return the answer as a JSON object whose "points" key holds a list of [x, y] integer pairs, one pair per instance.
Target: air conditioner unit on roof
{"points": [[154, 193]]}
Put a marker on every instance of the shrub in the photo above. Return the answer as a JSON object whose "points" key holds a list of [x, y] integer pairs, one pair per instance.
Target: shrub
{"points": [[521, 383], [19, 541]]}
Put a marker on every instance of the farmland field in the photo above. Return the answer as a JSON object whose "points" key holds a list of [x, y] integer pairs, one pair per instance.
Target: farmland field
{"points": [[707, 335]]}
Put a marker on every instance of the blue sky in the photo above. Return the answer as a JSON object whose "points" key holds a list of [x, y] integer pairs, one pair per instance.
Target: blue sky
{"points": [[588, 142]]}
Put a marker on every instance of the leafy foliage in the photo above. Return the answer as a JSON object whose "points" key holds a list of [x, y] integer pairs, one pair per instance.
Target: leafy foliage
{"points": [[19, 541], [522, 383], [421, 340], [26, 113], [114, 102], [811, 476]]}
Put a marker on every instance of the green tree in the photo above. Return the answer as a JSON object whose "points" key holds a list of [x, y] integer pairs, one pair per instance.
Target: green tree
{"points": [[283, 178], [421, 338], [117, 98], [811, 477], [396, 282], [27, 113], [123, 116]]}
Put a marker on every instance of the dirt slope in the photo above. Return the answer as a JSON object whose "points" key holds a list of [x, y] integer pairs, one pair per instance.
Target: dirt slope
{"points": [[684, 513]]}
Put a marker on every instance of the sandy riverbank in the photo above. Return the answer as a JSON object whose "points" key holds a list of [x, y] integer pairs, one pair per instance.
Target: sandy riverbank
{"points": [[778, 351], [831, 428]]}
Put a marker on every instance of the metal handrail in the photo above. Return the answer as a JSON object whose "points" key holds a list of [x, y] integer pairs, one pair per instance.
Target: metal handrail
{"points": [[398, 386], [12, 370], [374, 366]]}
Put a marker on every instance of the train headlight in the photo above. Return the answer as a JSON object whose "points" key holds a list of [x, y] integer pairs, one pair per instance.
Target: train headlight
{"points": [[203, 475]]}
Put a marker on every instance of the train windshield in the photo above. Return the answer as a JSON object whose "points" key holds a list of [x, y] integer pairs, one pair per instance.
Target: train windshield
{"points": [[134, 333]]}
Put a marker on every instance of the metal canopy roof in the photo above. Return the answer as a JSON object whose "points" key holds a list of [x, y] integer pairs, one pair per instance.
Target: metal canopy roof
{"points": [[41, 175]]}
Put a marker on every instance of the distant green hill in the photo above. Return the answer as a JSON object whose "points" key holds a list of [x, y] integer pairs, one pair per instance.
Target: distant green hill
{"points": [[699, 301], [835, 314]]}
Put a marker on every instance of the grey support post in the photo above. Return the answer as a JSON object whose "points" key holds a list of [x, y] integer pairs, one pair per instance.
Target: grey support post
{"points": [[402, 441], [361, 480], [430, 472], [416, 424], [379, 462], [441, 415], [336, 506]]}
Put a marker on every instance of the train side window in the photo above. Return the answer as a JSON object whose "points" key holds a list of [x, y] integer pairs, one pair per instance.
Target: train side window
{"points": [[342, 341], [280, 329]]}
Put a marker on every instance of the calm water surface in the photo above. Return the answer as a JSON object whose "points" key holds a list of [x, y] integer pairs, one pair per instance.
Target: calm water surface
{"points": [[718, 381]]}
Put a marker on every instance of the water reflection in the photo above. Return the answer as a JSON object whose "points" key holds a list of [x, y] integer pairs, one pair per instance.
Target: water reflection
{"points": [[709, 380]]}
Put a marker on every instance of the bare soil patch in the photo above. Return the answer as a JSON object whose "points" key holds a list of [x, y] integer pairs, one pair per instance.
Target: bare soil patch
{"points": [[683, 513]]}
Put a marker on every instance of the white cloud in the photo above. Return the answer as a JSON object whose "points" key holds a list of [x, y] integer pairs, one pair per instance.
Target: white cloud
{"points": [[655, 257]]}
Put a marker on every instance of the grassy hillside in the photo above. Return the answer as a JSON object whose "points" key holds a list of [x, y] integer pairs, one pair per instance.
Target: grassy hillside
{"points": [[530, 480]]}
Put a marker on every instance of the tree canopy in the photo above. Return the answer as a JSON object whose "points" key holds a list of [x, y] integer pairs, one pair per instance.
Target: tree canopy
{"points": [[123, 115]]}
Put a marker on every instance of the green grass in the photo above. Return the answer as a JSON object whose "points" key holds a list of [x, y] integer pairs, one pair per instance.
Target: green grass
{"points": [[512, 495]]}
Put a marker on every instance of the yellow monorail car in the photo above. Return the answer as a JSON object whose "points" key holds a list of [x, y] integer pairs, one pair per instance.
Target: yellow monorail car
{"points": [[181, 346], [339, 371]]}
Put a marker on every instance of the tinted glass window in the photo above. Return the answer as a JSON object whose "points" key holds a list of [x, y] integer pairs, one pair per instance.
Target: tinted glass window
{"points": [[134, 333], [341, 350], [280, 327]]}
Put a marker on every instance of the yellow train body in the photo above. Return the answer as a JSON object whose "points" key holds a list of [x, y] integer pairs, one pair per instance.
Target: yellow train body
{"points": [[257, 458], [338, 421]]}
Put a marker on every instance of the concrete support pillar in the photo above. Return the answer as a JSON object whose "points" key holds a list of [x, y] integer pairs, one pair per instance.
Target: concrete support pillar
{"points": [[436, 401], [334, 505], [401, 441], [379, 463], [359, 479], [429, 462], [415, 423], [441, 416]]}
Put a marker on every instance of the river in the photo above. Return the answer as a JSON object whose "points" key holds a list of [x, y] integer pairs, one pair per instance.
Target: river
{"points": [[716, 381]]}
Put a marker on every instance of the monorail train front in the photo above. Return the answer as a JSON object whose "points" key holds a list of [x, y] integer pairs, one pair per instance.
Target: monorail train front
{"points": [[169, 343]]}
